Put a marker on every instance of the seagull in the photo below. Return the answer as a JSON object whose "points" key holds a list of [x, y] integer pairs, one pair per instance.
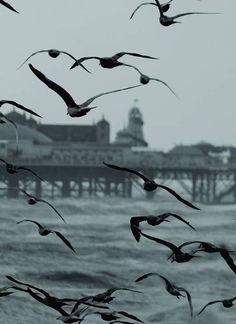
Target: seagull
{"points": [[73, 109], [150, 185], [114, 315], [45, 231], [3, 120], [171, 288], [10, 102], [165, 20], [177, 255], [111, 61], [145, 79], [11, 168], [227, 303], [6, 4], [32, 200], [153, 221], [52, 53], [211, 248]]}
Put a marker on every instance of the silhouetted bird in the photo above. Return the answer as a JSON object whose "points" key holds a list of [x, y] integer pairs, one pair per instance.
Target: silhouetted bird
{"points": [[53, 53], [45, 231], [153, 221], [114, 315], [7, 5], [32, 200], [11, 168], [10, 102], [111, 61], [177, 255], [165, 20], [73, 109], [227, 303], [150, 185], [211, 248], [171, 288]]}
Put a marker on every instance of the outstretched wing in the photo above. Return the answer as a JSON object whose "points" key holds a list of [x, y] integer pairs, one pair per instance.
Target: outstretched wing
{"points": [[181, 219], [189, 299], [164, 84], [31, 171], [171, 191], [134, 226], [88, 102], [194, 13], [11, 102], [42, 51], [28, 285], [126, 169], [82, 59], [170, 245], [146, 276], [7, 5], [226, 256], [142, 4], [66, 97], [29, 220], [64, 240], [130, 316], [120, 54], [210, 303], [56, 211]]}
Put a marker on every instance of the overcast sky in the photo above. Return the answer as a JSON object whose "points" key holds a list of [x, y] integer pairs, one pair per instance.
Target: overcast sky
{"points": [[197, 59]]}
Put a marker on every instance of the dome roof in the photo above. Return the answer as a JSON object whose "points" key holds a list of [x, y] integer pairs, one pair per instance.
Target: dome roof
{"points": [[7, 132]]}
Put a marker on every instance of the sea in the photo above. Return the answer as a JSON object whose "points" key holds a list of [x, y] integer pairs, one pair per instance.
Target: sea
{"points": [[108, 255]]}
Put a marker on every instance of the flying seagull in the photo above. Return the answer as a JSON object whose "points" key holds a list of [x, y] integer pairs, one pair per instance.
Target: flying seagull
{"points": [[32, 200], [73, 109], [45, 231], [10, 102], [227, 303], [153, 221], [114, 315], [171, 288], [150, 185], [53, 53], [7, 5], [11, 168], [111, 61], [166, 20]]}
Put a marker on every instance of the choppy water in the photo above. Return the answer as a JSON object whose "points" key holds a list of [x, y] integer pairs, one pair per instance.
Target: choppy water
{"points": [[109, 256]]}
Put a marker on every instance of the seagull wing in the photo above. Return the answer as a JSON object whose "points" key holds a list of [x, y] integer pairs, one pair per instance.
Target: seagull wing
{"points": [[31, 171], [210, 303], [146, 276], [64, 240], [29, 220], [182, 220], [66, 97], [82, 59], [88, 102], [194, 13], [171, 191], [134, 226], [3, 161], [158, 80], [120, 54], [226, 256], [7, 5], [56, 211], [170, 245], [142, 4], [126, 169], [42, 51], [19, 106], [74, 59], [130, 316], [28, 285], [189, 299]]}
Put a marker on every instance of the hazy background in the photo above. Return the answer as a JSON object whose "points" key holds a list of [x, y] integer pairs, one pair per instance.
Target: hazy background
{"points": [[197, 59]]}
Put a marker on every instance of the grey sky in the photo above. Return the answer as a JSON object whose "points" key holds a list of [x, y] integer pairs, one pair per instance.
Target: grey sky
{"points": [[197, 59]]}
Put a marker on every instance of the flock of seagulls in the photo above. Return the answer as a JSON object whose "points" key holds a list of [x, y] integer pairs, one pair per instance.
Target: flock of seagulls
{"points": [[86, 306]]}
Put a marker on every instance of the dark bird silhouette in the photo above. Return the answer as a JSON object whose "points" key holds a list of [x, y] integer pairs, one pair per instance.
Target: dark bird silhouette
{"points": [[32, 200], [211, 248], [7, 5], [114, 315], [10, 102], [53, 53], [11, 168], [45, 231], [145, 79], [177, 255], [4, 292], [166, 20], [150, 185], [227, 303], [3, 120], [171, 288], [110, 62], [73, 109], [153, 221]]}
